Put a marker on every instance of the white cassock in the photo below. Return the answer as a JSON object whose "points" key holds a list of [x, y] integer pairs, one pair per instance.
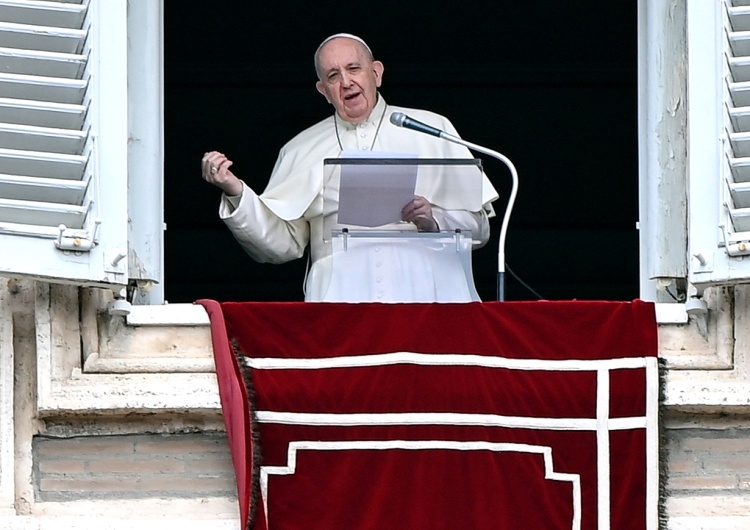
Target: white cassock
{"points": [[299, 207]]}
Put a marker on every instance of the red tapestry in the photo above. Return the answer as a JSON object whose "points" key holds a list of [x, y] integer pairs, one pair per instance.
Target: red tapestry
{"points": [[481, 416]]}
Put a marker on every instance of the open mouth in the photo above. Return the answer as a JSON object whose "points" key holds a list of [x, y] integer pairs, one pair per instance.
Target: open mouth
{"points": [[350, 97]]}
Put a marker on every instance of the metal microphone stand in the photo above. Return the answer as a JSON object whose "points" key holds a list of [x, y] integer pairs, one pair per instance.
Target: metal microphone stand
{"points": [[508, 209]]}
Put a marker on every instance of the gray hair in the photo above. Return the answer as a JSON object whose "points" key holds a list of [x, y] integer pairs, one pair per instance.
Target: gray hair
{"points": [[339, 36]]}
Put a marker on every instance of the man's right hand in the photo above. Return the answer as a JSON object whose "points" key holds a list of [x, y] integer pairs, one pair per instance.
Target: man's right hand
{"points": [[215, 169]]}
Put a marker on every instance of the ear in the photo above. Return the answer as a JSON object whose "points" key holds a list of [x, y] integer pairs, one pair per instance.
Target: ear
{"points": [[321, 88], [378, 68]]}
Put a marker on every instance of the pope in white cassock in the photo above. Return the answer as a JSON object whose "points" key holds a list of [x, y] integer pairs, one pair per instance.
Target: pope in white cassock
{"points": [[299, 204]]}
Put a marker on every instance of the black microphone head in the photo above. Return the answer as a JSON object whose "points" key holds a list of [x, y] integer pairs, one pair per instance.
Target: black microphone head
{"points": [[398, 119]]}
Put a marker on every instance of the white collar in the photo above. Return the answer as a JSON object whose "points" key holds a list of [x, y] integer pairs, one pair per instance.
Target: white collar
{"points": [[374, 118]]}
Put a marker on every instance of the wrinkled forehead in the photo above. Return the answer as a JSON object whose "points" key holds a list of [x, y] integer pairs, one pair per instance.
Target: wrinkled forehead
{"points": [[347, 36], [341, 48]]}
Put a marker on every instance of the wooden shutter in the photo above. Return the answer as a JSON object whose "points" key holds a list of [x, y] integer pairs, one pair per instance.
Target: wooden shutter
{"points": [[718, 37], [738, 108], [63, 140]]}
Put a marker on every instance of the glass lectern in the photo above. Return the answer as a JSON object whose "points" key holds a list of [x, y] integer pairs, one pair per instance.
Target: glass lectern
{"points": [[376, 257]]}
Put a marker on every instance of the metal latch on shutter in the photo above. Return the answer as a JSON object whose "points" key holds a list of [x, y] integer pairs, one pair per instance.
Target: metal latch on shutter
{"points": [[76, 240], [735, 246]]}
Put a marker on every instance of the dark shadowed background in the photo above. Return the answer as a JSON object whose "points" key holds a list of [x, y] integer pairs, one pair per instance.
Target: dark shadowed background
{"points": [[550, 84]]}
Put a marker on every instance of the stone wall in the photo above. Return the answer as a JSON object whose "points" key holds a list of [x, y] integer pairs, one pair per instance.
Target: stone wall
{"points": [[190, 466], [135, 439], [108, 424]]}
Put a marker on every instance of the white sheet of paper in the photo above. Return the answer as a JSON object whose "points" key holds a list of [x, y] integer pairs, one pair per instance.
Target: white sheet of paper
{"points": [[374, 195]]}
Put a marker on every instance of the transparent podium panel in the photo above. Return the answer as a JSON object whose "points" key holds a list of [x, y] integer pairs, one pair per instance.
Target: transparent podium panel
{"points": [[369, 193], [398, 266]]}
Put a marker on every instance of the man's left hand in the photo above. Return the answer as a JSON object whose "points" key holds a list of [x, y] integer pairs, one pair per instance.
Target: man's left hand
{"points": [[419, 212]]}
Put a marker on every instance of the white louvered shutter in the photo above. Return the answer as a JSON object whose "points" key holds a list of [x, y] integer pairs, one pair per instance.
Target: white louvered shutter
{"points": [[63, 140], [738, 124], [719, 147]]}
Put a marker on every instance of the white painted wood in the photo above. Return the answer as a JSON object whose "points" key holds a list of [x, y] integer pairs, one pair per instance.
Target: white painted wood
{"points": [[662, 223], [705, 80], [146, 148], [56, 124], [718, 75]]}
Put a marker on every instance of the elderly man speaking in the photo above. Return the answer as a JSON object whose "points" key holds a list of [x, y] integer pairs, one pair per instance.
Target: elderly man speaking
{"points": [[292, 212]]}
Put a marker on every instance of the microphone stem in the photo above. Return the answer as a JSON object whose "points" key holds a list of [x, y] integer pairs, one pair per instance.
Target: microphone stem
{"points": [[506, 218]]}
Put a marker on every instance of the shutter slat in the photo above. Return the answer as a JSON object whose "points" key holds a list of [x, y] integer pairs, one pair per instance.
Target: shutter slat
{"points": [[739, 18], [58, 14], [740, 169], [41, 213], [739, 43], [14, 136], [47, 232], [60, 191], [53, 89], [740, 144], [40, 164], [740, 219], [740, 194], [740, 68], [42, 63], [740, 93], [740, 118], [83, 2], [42, 113], [41, 38]]}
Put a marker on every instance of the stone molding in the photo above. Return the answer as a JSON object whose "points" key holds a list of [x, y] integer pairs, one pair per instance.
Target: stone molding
{"points": [[97, 364], [159, 358]]}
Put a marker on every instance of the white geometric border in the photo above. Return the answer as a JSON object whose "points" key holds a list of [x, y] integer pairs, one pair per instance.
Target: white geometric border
{"points": [[423, 445], [602, 424], [442, 359]]}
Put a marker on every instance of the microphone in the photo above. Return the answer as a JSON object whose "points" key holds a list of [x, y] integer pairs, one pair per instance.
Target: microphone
{"points": [[402, 120]]}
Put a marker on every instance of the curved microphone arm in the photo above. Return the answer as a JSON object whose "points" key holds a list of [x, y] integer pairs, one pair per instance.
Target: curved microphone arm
{"points": [[402, 120], [511, 201]]}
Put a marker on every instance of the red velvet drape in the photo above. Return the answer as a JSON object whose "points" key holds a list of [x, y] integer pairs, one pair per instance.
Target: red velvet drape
{"points": [[521, 415]]}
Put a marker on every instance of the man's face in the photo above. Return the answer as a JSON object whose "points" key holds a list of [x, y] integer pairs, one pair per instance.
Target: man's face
{"points": [[349, 79]]}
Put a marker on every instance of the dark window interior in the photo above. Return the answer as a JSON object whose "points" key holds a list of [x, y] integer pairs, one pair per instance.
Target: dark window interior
{"points": [[550, 84]]}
